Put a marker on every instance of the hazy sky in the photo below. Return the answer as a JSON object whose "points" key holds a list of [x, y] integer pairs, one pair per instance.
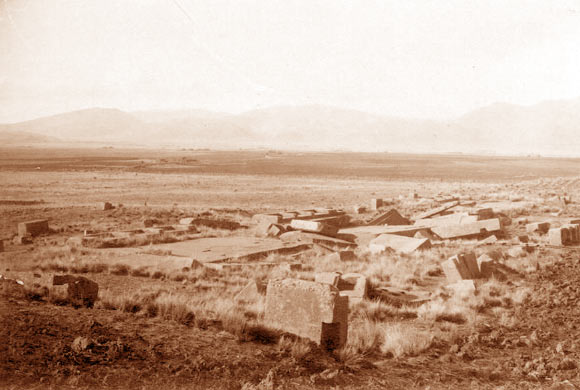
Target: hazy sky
{"points": [[429, 59]]}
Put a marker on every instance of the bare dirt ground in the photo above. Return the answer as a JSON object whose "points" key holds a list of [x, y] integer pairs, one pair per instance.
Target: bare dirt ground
{"points": [[156, 326]]}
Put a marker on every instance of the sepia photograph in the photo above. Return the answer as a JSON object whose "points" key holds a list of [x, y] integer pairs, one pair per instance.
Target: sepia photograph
{"points": [[295, 194]]}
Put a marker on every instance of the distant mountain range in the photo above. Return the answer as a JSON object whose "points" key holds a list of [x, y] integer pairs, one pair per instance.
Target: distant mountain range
{"points": [[548, 128]]}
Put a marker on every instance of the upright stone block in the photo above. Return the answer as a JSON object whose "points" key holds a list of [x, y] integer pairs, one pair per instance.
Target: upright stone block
{"points": [[470, 262], [541, 227], [376, 204], [559, 236], [33, 228], [106, 206], [315, 311], [574, 232]]}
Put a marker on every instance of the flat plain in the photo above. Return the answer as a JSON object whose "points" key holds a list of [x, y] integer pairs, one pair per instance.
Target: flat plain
{"points": [[165, 319]]}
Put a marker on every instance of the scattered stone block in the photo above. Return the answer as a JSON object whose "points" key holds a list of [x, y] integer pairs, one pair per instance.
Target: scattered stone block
{"points": [[331, 278], [559, 236], [252, 292], [541, 227], [22, 240], [376, 204], [426, 233], [574, 231], [575, 222], [437, 210], [398, 243], [271, 218], [359, 209], [1, 246], [291, 266], [475, 229], [485, 264], [275, 230], [314, 227], [106, 206], [524, 238], [33, 228], [315, 311], [81, 291], [489, 240], [391, 217], [460, 267], [484, 213], [353, 286]]}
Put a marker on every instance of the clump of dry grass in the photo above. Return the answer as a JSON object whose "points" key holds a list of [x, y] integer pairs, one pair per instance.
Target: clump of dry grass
{"points": [[403, 340]]}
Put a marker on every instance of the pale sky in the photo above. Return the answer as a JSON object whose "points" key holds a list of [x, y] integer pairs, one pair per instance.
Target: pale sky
{"points": [[425, 59]]}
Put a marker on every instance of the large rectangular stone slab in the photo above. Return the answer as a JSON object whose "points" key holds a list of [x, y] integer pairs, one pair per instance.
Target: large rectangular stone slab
{"points": [[541, 227], [314, 227], [33, 228], [446, 220], [315, 311], [400, 244], [479, 228], [234, 248]]}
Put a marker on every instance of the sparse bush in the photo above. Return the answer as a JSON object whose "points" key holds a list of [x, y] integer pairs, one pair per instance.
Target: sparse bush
{"points": [[140, 272], [120, 269]]}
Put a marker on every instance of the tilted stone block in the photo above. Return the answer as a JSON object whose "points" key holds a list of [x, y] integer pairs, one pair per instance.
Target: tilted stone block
{"points": [[80, 289], [315, 311], [331, 278], [541, 227], [315, 227]]}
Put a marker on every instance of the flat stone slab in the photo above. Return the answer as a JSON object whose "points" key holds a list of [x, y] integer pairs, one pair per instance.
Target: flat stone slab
{"points": [[400, 244], [468, 230], [401, 230], [220, 249], [451, 219], [437, 210]]}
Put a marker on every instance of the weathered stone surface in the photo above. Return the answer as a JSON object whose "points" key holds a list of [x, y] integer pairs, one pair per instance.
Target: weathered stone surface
{"points": [[574, 231], [488, 240], [479, 228], [33, 228], [400, 244], [359, 209], [460, 267], [376, 204], [353, 286], [315, 311], [22, 240], [404, 230], [523, 238], [271, 218], [252, 292], [446, 220], [81, 290], [437, 210], [314, 227], [391, 217], [106, 206], [559, 236], [331, 278], [334, 220], [275, 230], [484, 213], [463, 288], [541, 227], [485, 264], [1, 246]]}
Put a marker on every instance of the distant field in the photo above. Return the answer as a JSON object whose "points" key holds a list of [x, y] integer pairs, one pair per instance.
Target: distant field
{"points": [[385, 166]]}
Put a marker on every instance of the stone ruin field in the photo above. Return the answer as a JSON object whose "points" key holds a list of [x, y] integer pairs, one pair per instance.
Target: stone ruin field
{"points": [[269, 270]]}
